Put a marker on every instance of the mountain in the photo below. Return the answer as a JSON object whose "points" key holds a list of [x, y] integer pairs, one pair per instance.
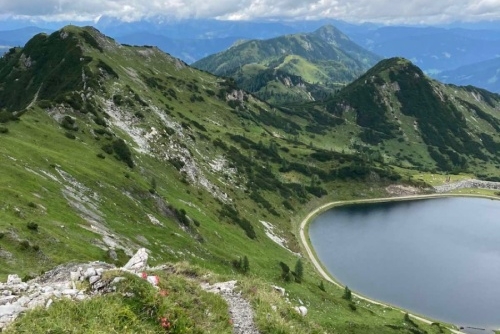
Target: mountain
{"points": [[107, 148], [485, 74], [290, 68], [394, 102]]}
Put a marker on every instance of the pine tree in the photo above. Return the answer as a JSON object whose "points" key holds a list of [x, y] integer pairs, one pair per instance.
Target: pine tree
{"points": [[299, 271], [347, 294], [246, 265]]}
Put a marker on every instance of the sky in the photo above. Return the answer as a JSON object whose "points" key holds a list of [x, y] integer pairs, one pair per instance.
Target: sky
{"points": [[380, 11]]}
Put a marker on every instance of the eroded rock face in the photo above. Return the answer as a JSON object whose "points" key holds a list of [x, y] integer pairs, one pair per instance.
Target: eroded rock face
{"points": [[17, 296]]}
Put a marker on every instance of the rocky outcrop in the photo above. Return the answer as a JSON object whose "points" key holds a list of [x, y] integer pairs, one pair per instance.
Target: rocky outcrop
{"points": [[64, 281], [471, 183]]}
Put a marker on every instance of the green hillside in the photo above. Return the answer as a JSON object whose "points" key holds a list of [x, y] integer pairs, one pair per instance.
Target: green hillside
{"points": [[292, 68], [106, 148]]}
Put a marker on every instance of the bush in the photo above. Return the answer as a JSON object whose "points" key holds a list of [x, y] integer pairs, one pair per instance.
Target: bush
{"points": [[24, 244], [299, 271], [101, 156], [4, 129], [69, 135], [69, 123], [347, 294], [32, 226], [123, 152]]}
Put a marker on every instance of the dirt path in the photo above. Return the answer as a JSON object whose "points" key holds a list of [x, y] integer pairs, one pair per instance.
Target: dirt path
{"points": [[239, 308], [312, 256]]}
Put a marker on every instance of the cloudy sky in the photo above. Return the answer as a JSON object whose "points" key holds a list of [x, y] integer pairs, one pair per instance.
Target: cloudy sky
{"points": [[386, 11]]}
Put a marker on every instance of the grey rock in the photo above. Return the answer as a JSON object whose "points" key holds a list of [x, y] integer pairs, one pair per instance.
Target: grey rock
{"points": [[7, 310], [117, 280], [138, 262], [74, 275], [7, 299], [69, 292], [94, 279], [112, 254], [23, 301], [89, 272], [14, 279], [49, 302], [302, 310]]}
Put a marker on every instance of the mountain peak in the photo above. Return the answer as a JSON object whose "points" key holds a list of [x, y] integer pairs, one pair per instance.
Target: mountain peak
{"points": [[330, 34]]}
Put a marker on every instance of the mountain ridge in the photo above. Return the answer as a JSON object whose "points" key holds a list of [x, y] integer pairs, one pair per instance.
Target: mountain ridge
{"points": [[133, 148]]}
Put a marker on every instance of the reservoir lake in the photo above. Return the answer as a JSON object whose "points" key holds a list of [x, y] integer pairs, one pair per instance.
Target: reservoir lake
{"points": [[439, 258]]}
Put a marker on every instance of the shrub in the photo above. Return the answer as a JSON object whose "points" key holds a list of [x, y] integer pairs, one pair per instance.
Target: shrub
{"points": [[2, 234], [100, 121], [69, 123], [32, 205], [347, 294], [69, 135], [322, 286], [24, 244], [123, 152], [101, 156], [285, 272], [32, 226], [299, 271], [4, 129], [107, 148]]}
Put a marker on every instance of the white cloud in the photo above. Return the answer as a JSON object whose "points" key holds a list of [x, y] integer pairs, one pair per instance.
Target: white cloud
{"points": [[387, 11]]}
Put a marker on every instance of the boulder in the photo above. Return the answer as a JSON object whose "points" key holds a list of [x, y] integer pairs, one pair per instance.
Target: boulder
{"points": [[302, 310], [14, 279], [279, 289], [138, 262]]}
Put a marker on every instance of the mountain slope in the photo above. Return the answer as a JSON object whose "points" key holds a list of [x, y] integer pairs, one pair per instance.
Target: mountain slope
{"points": [[107, 148], [394, 103], [324, 60]]}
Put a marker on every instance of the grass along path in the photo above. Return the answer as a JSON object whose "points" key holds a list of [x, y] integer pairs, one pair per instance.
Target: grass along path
{"points": [[304, 239]]}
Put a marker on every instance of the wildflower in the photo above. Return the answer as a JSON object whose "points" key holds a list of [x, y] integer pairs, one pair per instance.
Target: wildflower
{"points": [[165, 323], [144, 275], [163, 293]]}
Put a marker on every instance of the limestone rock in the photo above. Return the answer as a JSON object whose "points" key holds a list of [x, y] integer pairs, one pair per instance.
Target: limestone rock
{"points": [[14, 279], [279, 289], [302, 310], [138, 262]]}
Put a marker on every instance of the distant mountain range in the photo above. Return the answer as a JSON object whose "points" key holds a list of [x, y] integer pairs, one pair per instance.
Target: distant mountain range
{"points": [[485, 74], [292, 67], [434, 49]]}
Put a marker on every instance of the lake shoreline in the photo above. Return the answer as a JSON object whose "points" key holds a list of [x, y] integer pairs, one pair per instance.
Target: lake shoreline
{"points": [[306, 243]]}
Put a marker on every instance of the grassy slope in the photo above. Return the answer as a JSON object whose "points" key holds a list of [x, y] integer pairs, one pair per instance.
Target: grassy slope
{"points": [[37, 157]]}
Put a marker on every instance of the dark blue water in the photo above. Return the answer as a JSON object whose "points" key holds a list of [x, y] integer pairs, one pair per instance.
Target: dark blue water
{"points": [[438, 257]]}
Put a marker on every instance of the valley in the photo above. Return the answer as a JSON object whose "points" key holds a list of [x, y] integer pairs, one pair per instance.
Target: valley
{"points": [[107, 148]]}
